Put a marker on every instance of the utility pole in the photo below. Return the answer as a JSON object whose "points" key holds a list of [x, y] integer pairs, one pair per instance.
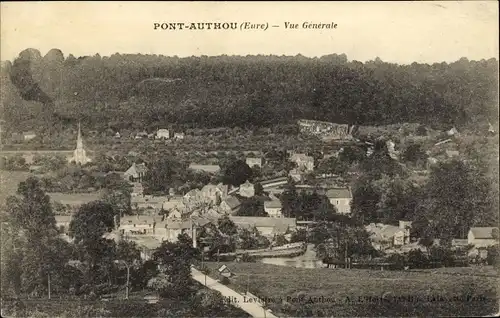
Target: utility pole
{"points": [[248, 281], [345, 255], [48, 283]]}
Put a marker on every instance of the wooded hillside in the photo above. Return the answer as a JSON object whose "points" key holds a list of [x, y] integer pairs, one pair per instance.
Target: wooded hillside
{"points": [[146, 91]]}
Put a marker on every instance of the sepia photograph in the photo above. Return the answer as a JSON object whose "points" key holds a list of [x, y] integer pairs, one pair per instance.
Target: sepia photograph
{"points": [[249, 159]]}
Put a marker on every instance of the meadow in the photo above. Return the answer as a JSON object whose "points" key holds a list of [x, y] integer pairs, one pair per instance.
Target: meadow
{"points": [[9, 181], [356, 292]]}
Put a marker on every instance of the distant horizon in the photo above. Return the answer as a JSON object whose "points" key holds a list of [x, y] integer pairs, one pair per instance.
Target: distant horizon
{"points": [[397, 32], [66, 55]]}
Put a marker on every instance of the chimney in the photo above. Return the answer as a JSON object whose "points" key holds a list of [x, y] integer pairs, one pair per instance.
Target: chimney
{"points": [[193, 232]]}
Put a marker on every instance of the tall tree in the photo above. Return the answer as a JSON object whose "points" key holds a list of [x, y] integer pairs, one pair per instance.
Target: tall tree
{"points": [[236, 173], [87, 227]]}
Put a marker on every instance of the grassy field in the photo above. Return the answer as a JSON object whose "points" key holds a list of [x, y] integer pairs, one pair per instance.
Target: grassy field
{"points": [[340, 292], [9, 181]]}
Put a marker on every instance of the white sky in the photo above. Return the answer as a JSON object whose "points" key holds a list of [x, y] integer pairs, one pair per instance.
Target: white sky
{"points": [[396, 32]]}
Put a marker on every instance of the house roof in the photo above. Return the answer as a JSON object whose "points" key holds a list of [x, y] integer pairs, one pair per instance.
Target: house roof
{"points": [[452, 153], [382, 231], [137, 219], [146, 242], [63, 218], [176, 225], [232, 202], [206, 168], [247, 184], [339, 193], [29, 133], [162, 130], [253, 160], [274, 180], [483, 232], [136, 169], [74, 198], [141, 168], [301, 156], [262, 221], [273, 204]]}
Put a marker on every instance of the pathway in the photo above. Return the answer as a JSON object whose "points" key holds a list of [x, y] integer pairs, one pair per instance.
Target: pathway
{"points": [[253, 309]]}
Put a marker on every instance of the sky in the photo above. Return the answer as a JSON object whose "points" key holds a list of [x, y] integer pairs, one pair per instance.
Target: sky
{"points": [[398, 32]]}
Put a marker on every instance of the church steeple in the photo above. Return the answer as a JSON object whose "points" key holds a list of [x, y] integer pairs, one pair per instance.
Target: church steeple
{"points": [[79, 141], [79, 155]]}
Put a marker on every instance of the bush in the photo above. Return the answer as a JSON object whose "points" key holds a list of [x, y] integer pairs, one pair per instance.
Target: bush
{"points": [[205, 270], [225, 281], [417, 259], [493, 255], [247, 258], [398, 260]]}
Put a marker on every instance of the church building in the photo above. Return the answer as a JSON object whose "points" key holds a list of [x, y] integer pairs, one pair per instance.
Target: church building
{"points": [[79, 154]]}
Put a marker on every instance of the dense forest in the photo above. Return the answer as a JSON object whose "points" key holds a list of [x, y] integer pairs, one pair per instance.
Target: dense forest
{"points": [[145, 91]]}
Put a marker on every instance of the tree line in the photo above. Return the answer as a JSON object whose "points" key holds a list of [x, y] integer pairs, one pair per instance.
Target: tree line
{"points": [[135, 90]]}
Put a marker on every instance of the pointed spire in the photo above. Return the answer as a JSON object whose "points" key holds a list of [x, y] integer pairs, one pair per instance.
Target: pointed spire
{"points": [[79, 142]]}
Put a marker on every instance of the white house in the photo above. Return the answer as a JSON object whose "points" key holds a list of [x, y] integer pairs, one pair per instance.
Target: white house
{"points": [[341, 199], [273, 208], [303, 161], [28, 135], [483, 236], [385, 235], [206, 168], [179, 136], [162, 134], [251, 162], [265, 225], [247, 189]]}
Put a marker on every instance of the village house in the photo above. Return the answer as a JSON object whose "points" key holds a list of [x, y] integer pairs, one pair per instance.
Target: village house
{"points": [[28, 135], [172, 203], [341, 199], [295, 175], [303, 161], [452, 153], [247, 189], [136, 172], [62, 222], [385, 236], [230, 205], [16, 138], [215, 193], [273, 208], [481, 237], [251, 162], [142, 134], [213, 169], [138, 224], [179, 136], [36, 168], [265, 225], [117, 135], [209, 195], [162, 134], [137, 189], [452, 132], [147, 246]]}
